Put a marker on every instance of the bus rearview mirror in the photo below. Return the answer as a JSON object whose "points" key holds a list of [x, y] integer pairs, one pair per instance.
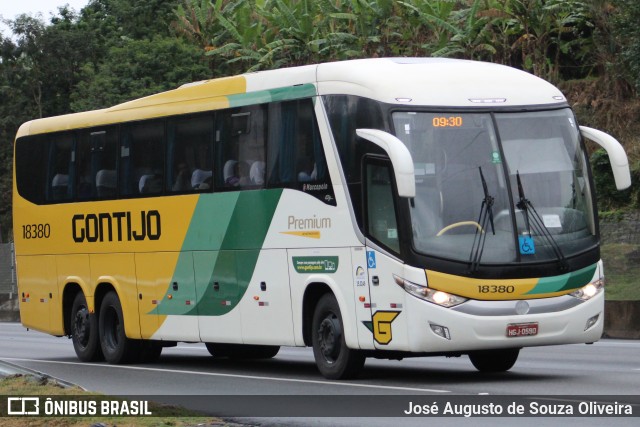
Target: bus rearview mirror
{"points": [[400, 158], [617, 156]]}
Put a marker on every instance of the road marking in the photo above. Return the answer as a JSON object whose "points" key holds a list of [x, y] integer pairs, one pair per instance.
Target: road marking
{"points": [[215, 374]]}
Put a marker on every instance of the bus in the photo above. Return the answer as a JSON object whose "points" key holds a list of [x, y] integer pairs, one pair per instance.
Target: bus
{"points": [[387, 208]]}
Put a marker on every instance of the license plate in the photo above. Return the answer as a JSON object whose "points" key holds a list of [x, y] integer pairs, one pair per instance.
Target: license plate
{"points": [[522, 330]]}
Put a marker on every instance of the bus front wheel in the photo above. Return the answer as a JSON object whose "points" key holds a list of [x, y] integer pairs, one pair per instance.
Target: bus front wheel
{"points": [[116, 347], [494, 360], [333, 358], [84, 330]]}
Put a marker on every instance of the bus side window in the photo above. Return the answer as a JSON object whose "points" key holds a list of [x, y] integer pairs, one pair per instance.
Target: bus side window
{"points": [[61, 168], [190, 154], [97, 164], [31, 167], [240, 148], [142, 159], [295, 152], [382, 224]]}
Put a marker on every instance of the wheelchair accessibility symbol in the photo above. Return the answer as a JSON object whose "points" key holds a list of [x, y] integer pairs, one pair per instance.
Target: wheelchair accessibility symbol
{"points": [[371, 259], [527, 247]]}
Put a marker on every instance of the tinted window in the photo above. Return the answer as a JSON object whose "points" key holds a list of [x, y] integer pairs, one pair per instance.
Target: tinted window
{"points": [[31, 167], [142, 159], [96, 161], [241, 137], [382, 225], [274, 145], [190, 154], [346, 114], [295, 153], [61, 169]]}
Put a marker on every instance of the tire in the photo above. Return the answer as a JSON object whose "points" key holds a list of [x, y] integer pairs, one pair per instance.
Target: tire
{"points": [[116, 347], [333, 358], [242, 351], [494, 360], [84, 331]]}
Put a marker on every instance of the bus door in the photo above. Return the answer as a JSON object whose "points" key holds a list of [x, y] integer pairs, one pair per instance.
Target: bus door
{"points": [[386, 297], [362, 297]]}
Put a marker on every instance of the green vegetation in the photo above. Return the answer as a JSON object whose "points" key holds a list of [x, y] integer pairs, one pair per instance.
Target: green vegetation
{"points": [[19, 385], [622, 271], [115, 50]]}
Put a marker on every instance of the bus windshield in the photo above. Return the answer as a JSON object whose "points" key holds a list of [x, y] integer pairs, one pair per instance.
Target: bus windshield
{"points": [[498, 188]]}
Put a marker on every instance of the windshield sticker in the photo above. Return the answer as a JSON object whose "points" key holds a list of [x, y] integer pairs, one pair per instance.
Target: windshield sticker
{"points": [[313, 264], [552, 221], [527, 247], [495, 157]]}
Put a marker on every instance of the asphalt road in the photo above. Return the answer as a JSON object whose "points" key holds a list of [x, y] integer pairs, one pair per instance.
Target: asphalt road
{"points": [[608, 367]]}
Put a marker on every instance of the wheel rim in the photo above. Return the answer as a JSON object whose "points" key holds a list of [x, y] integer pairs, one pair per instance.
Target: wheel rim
{"points": [[81, 326], [329, 338]]}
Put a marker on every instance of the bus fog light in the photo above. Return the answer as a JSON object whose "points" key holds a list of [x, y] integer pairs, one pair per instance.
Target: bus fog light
{"points": [[592, 321], [441, 331]]}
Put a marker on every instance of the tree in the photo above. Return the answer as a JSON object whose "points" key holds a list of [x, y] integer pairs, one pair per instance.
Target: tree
{"points": [[138, 68], [627, 37]]}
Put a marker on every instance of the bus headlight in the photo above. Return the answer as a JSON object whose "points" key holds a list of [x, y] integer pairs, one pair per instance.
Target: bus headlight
{"points": [[590, 290], [440, 298]]}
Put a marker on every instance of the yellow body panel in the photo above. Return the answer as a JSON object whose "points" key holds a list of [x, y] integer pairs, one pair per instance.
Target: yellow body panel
{"points": [[483, 289], [119, 271], [90, 264], [154, 271], [174, 213], [40, 302]]}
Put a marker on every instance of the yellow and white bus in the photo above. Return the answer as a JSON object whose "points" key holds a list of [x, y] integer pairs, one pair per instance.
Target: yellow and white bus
{"points": [[372, 208]]}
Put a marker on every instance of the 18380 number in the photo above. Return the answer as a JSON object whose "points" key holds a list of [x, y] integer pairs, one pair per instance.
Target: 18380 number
{"points": [[496, 289], [36, 231]]}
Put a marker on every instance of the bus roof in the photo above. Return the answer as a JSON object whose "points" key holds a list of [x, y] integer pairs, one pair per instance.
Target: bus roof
{"points": [[435, 82]]}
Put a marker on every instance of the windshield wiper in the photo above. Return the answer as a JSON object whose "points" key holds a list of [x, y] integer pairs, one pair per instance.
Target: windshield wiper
{"points": [[486, 216], [533, 222]]}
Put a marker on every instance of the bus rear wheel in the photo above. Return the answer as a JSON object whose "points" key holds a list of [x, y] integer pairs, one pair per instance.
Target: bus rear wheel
{"points": [[84, 331], [242, 351], [494, 360], [116, 347], [333, 358]]}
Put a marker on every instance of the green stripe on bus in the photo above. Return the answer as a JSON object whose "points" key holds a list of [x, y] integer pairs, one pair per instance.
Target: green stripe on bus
{"points": [[564, 282], [223, 243], [274, 95]]}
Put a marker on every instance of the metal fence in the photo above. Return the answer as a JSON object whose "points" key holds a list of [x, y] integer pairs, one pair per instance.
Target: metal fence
{"points": [[7, 269]]}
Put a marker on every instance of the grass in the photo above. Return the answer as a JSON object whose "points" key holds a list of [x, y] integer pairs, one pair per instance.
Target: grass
{"points": [[164, 416], [622, 271]]}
